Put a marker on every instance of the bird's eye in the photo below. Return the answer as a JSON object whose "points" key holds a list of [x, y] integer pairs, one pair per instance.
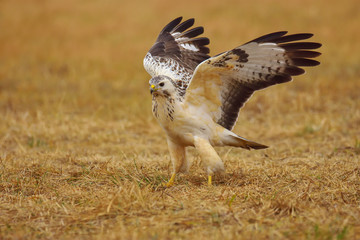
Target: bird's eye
{"points": [[161, 84]]}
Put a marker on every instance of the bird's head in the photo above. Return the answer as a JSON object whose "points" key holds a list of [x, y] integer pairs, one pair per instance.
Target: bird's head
{"points": [[162, 86]]}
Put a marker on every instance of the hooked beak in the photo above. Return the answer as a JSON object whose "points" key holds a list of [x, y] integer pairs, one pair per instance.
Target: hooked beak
{"points": [[152, 88]]}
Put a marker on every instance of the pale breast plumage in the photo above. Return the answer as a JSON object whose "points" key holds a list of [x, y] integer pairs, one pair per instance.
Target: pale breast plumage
{"points": [[196, 99], [227, 80]]}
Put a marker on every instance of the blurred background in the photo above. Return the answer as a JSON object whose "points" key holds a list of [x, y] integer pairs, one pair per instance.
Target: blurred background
{"points": [[71, 71]]}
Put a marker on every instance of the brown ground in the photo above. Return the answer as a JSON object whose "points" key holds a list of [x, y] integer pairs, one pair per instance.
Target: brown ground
{"points": [[81, 156]]}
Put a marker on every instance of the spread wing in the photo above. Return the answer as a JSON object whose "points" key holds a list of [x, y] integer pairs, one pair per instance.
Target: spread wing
{"points": [[177, 52], [222, 84]]}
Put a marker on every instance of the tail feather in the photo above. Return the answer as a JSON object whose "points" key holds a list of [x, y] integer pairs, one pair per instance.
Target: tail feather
{"points": [[237, 141]]}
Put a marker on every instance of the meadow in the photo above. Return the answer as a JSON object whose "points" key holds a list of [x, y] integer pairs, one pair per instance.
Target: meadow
{"points": [[81, 156]]}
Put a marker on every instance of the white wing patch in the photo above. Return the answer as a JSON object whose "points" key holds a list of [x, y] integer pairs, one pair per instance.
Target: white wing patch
{"points": [[267, 44], [189, 47]]}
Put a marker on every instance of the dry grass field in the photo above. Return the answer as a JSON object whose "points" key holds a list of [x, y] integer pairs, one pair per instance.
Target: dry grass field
{"points": [[81, 156]]}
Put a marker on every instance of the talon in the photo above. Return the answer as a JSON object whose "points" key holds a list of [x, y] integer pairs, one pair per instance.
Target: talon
{"points": [[209, 180], [170, 182]]}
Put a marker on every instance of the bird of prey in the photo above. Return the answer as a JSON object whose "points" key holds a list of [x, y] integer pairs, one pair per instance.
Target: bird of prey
{"points": [[196, 98]]}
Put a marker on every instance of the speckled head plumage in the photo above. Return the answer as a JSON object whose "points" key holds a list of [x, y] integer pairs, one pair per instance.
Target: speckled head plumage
{"points": [[162, 86]]}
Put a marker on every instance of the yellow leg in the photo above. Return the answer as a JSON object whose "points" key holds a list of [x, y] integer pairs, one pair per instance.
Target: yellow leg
{"points": [[209, 180], [171, 181]]}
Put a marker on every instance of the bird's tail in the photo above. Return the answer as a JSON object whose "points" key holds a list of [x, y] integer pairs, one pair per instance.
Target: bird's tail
{"points": [[237, 141]]}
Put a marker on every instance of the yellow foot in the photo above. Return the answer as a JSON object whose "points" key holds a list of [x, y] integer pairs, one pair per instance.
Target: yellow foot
{"points": [[209, 180], [170, 182]]}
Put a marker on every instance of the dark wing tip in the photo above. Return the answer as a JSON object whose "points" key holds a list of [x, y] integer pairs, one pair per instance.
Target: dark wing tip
{"points": [[304, 62], [303, 54], [201, 41], [184, 25], [298, 51], [300, 45], [171, 25], [293, 70], [285, 41], [269, 37], [193, 32], [293, 37]]}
